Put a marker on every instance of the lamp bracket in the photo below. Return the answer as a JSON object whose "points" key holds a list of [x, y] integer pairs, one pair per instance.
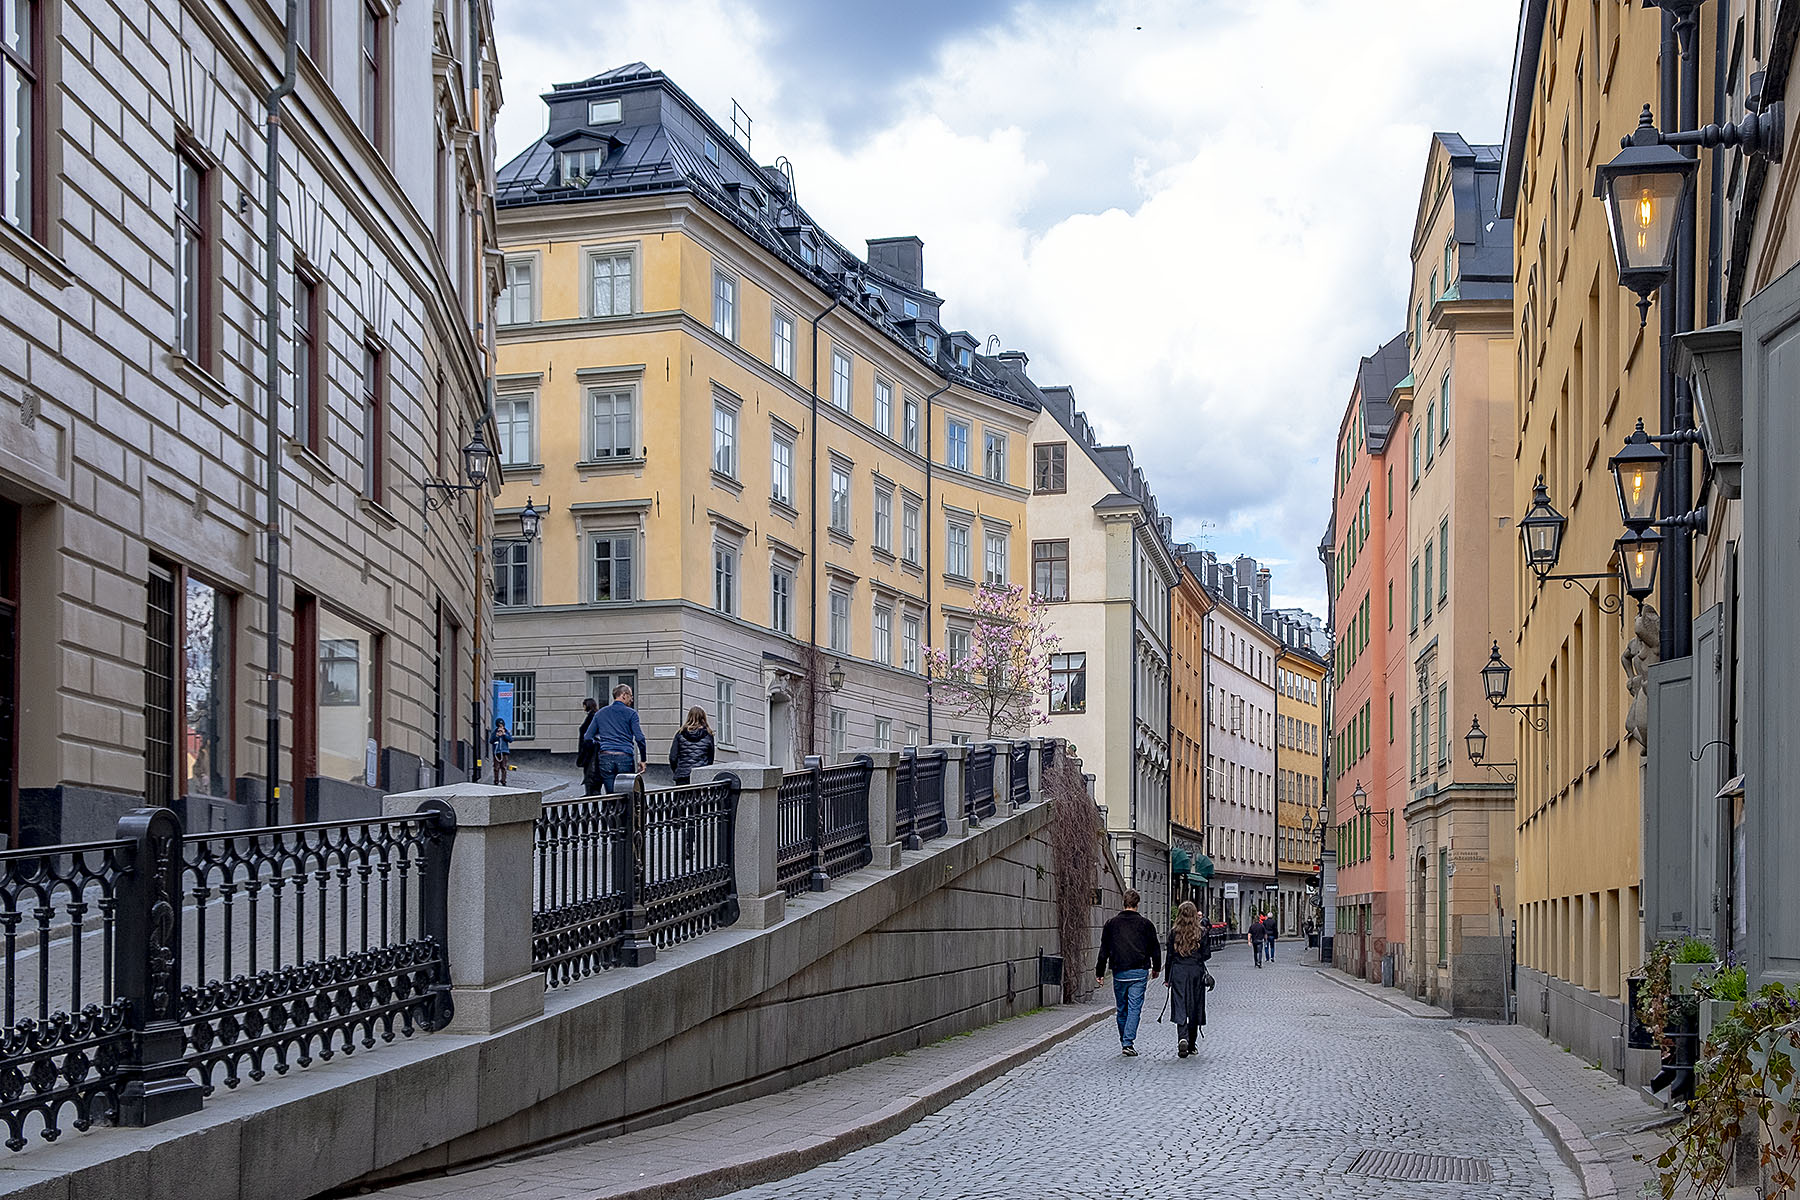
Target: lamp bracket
{"points": [[1610, 604], [1691, 521], [1681, 437], [1539, 723], [435, 493], [1759, 134], [1508, 776]]}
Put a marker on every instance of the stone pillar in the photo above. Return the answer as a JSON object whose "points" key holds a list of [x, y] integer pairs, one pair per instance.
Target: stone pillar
{"points": [[1002, 778], [884, 805], [955, 757], [761, 902], [492, 981], [1037, 769]]}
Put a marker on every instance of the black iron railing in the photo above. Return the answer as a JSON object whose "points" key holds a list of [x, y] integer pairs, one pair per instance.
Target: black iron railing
{"points": [[619, 876], [978, 783], [822, 824], [1018, 773], [919, 797]]}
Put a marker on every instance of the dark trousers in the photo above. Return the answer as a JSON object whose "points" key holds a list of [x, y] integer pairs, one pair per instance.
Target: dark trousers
{"points": [[604, 767]]}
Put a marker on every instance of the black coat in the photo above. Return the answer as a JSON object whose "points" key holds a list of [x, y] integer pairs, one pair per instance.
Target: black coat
{"points": [[688, 751], [1187, 983]]}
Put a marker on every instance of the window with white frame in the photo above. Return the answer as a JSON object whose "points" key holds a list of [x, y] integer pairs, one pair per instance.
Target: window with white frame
{"points": [[781, 349], [956, 645], [612, 424], [956, 445], [781, 597], [725, 455], [610, 283], [909, 308], [724, 314], [517, 299], [839, 626], [884, 733], [840, 498], [884, 406], [579, 166], [909, 642], [524, 686], [881, 635], [956, 549], [928, 342], [840, 379], [725, 576], [611, 574], [910, 431], [512, 572], [909, 531], [912, 735], [994, 557], [993, 455], [605, 112], [781, 468], [884, 519], [839, 732], [725, 706], [512, 413]]}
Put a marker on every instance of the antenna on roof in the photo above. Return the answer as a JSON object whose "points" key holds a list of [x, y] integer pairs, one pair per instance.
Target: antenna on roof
{"points": [[786, 168], [740, 125], [993, 345]]}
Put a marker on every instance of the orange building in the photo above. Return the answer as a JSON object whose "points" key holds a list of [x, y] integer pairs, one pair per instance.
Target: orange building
{"points": [[1188, 606], [1366, 566]]}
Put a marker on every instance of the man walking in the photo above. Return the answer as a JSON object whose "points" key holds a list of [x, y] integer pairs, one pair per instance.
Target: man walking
{"points": [[1255, 937], [1271, 927], [615, 743], [1130, 945]]}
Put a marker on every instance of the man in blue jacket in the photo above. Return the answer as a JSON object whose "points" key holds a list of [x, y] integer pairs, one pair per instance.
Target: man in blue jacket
{"points": [[615, 741]]}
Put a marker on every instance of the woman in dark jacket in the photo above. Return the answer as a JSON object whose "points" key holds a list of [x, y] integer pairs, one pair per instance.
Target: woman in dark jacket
{"points": [[1186, 975], [692, 747]]}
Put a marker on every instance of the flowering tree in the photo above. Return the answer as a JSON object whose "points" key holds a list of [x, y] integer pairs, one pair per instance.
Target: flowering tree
{"points": [[1003, 677]]}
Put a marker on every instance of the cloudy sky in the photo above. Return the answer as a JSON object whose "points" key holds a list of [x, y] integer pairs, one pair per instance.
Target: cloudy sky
{"points": [[1196, 212]]}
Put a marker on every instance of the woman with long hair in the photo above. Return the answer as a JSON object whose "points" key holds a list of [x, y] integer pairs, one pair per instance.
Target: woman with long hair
{"points": [[1186, 975], [693, 746]]}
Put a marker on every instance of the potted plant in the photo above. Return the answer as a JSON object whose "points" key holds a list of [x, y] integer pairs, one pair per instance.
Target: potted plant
{"points": [[1719, 994], [1693, 960]]}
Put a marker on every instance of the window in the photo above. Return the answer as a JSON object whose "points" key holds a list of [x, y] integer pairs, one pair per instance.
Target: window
{"points": [[928, 342], [604, 112], [956, 551], [994, 558], [21, 123], [837, 727], [609, 285], [712, 151], [612, 580], [513, 415], [725, 572], [512, 572], [612, 424], [840, 379], [910, 308], [911, 432], [515, 307], [1068, 683], [882, 635], [348, 722], [909, 643], [781, 350], [965, 358], [909, 531], [1413, 610], [956, 645], [725, 456], [201, 676], [1050, 570], [781, 599], [600, 685], [884, 733], [307, 360], [724, 314], [193, 257], [956, 445], [1430, 433], [1390, 604], [840, 620], [1050, 467], [884, 519], [1415, 458], [1443, 731], [524, 690], [1428, 575], [1443, 560], [840, 498], [374, 399], [781, 469], [1444, 407], [993, 456], [724, 708], [374, 49], [884, 406]]}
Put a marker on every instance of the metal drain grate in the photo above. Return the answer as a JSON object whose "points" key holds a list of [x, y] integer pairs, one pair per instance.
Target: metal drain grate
{"points": [[1406, 1166]]}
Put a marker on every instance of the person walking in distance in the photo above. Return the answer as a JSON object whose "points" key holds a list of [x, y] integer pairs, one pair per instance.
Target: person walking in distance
{"points": [[617, 740], [693, 746], [499, 749], [584, 752], [1186, 976], [1271, 927], [1129, 945], [1255, 938]]}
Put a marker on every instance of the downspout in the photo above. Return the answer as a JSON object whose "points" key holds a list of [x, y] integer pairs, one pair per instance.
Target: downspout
{"points": [[484, 334], [1715, 235], [812, 555], [272, 431], [925, 518]]}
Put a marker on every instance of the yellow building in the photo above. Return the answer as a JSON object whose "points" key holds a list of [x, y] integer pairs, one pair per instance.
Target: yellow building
{"points": [[1300, 674], [1188, 606], [769, 478], [1586, 372]]}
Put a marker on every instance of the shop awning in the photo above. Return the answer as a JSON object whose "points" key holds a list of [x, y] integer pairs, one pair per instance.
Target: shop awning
{"points": [[1180, 861], [1203, 866]]}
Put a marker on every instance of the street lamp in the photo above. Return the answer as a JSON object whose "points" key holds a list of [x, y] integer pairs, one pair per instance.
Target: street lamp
{"points": [[1541, 530], [1639, 552], [1476, 741], [475, 458], [1495, 677], [529, 521], [1646, 188], [835, 677], [1636, 471]]}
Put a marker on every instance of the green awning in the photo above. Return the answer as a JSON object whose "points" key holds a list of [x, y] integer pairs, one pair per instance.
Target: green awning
{"points": [[1195, 879], [1180, 861], [1203, 866]]}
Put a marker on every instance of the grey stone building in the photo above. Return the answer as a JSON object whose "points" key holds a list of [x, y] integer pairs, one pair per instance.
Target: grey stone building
{"points": [[133, 406]]}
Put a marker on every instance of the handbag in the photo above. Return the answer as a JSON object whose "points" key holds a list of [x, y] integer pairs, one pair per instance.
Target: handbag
{"points": [[1210, 981]]}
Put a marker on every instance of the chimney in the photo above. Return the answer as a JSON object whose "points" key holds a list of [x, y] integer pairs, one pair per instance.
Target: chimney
{"points": [[1227, 585], [901, 259], [1246, 568], [1243, 597], [1263, 583], [1014, 359]]}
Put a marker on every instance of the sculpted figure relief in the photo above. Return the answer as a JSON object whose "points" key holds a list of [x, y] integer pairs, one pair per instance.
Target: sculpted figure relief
{"points": [[1640, 654]]}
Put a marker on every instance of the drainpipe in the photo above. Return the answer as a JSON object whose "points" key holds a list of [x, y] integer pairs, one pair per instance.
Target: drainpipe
{"points": [[484, 335], [272, 433], [812, 557], [925, 519]]}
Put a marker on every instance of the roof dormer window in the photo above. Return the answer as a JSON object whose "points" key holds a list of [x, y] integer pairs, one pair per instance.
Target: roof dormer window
{"points": [[578, 166], [929, 343], [964, 359], [910, 308], [605, 112], [712, 152]]}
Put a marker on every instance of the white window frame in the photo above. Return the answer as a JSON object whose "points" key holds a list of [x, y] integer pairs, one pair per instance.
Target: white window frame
{"points": [[881, 634], [725, 437], [993, 455], [592, 256], [884, 407], [841, 515], [728, 557], [957, 551], [530, 564], [909, 426], [838, 727], [509, 432], [956, 636], [725, 702], [911, 516], [843, 378], [781, 470], [725, 289], [593, 393], [884, 733], [606, 112], [506, 310], [838, 619], [995, 548], [884, 519], [911, 632], [635, 543], [781, 349], [781, 599], [952, 426]]}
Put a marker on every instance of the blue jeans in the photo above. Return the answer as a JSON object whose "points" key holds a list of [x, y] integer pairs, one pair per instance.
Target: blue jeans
{"points": [[1128, 995], [1269, 949], [609, 765]]}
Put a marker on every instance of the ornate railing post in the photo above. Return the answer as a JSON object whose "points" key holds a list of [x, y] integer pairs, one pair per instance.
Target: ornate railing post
{"points": [[818, 879], [639, 950], [156, 1086], [434, 902], [909, 786]]}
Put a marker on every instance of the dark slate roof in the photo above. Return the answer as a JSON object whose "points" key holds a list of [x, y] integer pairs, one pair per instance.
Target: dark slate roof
{"points": [[665, 142], [1376, 377], [1526, 51], [1484, 266]]}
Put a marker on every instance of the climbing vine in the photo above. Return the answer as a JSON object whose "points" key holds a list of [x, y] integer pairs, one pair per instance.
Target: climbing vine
{"points": [[1075, 855]]}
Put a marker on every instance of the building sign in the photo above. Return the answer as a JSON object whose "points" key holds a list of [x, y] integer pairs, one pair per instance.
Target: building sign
{"points": [[1231, 891], [664, 672]]}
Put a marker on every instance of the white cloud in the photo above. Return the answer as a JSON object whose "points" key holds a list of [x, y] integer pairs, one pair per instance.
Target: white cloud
{"points": [[1197, 214]]}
